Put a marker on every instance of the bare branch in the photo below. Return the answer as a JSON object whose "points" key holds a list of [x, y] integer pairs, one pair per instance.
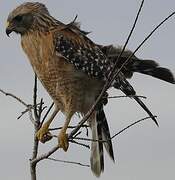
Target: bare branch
{"points": [[28, 106], [14, 97], [45, 116], [134, 123], [31, 117], [46, 155], [33, 171], [77, 134], [40, 109], [147, 37], [36, 127], [69, 127], [113, 97], [121, 131], [25, 111], [111, 75], [35, 99], [81, 144], [69, 162]]}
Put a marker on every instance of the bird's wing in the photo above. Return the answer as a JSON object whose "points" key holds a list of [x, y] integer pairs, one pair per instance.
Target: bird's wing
{"points": [[86, 56], [80, 51]]}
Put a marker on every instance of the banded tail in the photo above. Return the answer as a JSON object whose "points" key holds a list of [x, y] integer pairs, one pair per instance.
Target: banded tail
{"points": [[148, 67], [100, 131]]}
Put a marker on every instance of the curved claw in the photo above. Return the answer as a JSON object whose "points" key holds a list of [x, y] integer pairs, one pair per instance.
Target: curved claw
{"points": [[43, 134]]}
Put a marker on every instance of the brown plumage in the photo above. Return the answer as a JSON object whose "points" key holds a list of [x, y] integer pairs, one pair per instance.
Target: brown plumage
{"points": [[73, 70], [71, 89]]}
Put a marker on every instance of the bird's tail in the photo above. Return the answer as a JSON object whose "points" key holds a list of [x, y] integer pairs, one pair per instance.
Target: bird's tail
{"points": [[100, 132], [126, 88], [148, 67]]}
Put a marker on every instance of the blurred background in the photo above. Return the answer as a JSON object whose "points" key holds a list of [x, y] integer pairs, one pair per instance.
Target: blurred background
{"points": [[142, 152]]}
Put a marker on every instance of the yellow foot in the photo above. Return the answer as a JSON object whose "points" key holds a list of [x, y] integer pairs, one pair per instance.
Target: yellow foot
{"points": [[63, 140], [43, 134]]}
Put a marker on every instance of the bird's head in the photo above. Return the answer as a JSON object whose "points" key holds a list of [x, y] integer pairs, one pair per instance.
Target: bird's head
{"points": [[25, 17]]}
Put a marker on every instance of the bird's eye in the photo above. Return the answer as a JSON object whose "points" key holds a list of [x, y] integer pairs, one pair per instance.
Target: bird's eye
{"points": [[18, 18]]}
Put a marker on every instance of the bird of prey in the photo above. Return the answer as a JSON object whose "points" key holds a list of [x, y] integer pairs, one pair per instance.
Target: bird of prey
{"points": [[73, 69]]}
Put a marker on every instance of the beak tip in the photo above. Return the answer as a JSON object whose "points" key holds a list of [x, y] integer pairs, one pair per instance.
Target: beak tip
{"points": [[8, 31]]}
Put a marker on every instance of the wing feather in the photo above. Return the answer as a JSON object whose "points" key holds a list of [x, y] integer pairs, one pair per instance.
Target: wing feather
{"points": [[83, 54]]}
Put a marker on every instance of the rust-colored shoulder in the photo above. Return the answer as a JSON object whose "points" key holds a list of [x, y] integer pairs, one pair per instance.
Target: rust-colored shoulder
{"points": [[74, 35]]}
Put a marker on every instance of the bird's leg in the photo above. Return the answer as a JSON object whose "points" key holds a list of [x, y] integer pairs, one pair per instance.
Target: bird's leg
{"points": [[62, 136], [43, 132]]}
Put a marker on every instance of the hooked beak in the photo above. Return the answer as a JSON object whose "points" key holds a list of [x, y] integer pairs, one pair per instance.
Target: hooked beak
{"points": [[9, 29]]}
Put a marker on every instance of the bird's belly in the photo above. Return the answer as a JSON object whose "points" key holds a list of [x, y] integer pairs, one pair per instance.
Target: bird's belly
{"points": [[71, 93], [71, 90]]}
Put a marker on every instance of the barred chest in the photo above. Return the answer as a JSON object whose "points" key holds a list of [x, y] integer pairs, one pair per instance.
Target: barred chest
{"points": [[70, 89]]}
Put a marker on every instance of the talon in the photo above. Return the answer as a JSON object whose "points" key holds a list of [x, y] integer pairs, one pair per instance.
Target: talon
{"points": [[63, 140], [43, 134]]}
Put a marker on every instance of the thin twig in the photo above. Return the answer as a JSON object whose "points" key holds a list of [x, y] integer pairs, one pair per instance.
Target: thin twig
{"points": [[121, 131], [31, 117], [69, 127], [77, 134], [40, 109], [124, 47], [14, 97], [73, 141], [45, 155], [147, 37], [81, 144], [45, 116], [69, 162], [30, 107], [35, 99], [113, 97]]}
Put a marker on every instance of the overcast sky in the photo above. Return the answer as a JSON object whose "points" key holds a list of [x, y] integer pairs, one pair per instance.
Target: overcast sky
{"points": [[144, 151]]}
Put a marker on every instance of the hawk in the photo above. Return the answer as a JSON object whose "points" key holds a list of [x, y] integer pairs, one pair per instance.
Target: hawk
{"points": [[73, 69]]}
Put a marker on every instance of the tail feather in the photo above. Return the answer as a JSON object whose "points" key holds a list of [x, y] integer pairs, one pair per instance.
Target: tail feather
{"points": [[97, 159], [138, 100], [127, 89], [157, 72], [100, 144], [103, 125], [100, 131], [148, 67]]}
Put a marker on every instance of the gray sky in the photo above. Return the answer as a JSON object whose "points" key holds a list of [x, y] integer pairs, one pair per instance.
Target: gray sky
{"points": [[143, 152]]}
